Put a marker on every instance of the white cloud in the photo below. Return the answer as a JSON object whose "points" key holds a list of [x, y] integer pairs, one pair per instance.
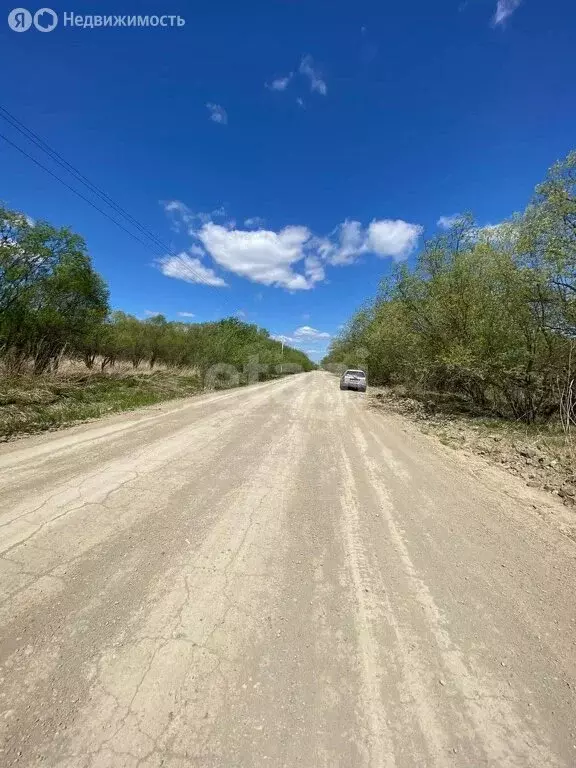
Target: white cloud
{"points": [[254, 221], [309, 340], [351, 243], [314, 269], [505, 230], [284, 339], [394, 238], [504, 9], [280, 83], [182, 216], [262, 256], [217, 113], [292, 258], [446, 222], [186, 314], [151, 313], [178, 213], [384, 237], [305, 331], [197, 250], [307, 68], [190, 269]]}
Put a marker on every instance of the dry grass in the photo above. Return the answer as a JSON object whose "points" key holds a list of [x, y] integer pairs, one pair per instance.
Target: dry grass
{"points": [[70, 368], [73, 393], [31, 404]]}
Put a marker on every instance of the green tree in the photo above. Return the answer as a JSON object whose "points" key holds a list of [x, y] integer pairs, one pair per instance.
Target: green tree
{"points": [[51, 299], [486, 315]]}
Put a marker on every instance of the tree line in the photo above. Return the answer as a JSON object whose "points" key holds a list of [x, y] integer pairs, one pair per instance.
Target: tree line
{"points": [[53, 304], [486, 316]]}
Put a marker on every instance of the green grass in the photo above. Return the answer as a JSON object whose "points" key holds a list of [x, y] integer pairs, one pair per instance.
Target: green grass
{"points": [[31, 404]]}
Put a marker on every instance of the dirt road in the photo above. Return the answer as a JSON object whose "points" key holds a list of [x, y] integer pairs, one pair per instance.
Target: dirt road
{"points": [[278, 576]]}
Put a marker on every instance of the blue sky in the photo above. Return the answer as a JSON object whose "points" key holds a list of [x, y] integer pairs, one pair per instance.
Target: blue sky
{"points": [[286, 152]]}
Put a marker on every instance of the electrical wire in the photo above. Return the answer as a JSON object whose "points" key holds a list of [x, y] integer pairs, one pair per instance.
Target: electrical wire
{"points": [[93, 188]]}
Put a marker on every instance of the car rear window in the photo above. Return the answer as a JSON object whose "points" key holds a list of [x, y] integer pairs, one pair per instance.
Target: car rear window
{"points": [[355, 373]]}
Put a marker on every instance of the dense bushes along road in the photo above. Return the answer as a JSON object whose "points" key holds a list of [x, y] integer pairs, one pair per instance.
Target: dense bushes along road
{"points": [[53, 304], [487, 316]]}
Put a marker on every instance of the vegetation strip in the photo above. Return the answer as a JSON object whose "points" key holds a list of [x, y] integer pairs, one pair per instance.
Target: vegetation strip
{"points": [[485, 321], [66, 357]]}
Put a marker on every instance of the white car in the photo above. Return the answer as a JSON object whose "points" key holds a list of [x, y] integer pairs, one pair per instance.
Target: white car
{"points": [[353, 379]]}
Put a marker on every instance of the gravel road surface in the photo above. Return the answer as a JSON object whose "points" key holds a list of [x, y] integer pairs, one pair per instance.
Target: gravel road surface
{"points": [[278, 576]]}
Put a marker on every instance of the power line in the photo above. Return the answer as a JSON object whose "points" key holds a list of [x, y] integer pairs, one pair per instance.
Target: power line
{"points": [[62, 162], [45, 147], [75, 191]]}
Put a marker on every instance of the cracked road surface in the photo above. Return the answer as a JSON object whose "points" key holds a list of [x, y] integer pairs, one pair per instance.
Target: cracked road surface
{"points": [[278, 576]]}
